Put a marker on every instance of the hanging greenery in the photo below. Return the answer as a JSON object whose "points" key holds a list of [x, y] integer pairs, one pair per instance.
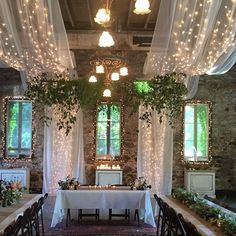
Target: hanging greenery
{"points": [[162, 93]]}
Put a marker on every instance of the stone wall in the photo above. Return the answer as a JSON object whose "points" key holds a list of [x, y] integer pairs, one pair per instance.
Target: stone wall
{"points": [[221, 90], [130, 146], [11, 86]]}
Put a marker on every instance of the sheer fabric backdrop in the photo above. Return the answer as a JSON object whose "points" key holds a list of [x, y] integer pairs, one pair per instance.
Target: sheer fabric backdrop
{"points": [[191, 37], [63, 155], [33, 37]]}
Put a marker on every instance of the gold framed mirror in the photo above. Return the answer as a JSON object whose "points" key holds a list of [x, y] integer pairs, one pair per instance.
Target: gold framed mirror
{"points": [[197, 131], [108, 124], [18, 136]]}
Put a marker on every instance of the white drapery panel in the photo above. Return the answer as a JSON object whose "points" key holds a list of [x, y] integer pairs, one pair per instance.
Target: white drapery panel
{"points": [[33, 37], [63, 155], [155, 150], [191, 36]]}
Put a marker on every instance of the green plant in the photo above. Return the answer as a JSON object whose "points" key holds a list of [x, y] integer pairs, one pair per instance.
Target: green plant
{"points": [[163, 94], [227, 222]]}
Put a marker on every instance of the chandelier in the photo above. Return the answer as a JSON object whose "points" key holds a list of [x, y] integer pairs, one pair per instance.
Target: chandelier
{"points": [[112, 67], [142, 7]]}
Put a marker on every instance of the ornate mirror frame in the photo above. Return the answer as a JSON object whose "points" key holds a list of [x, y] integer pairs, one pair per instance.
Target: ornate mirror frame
{"points": [[197, 163], [117, 158]]}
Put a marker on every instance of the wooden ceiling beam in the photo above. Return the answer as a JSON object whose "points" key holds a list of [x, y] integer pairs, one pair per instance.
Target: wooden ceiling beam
{"points": [[90, 13], [131, 5], [149, 15], [69, 13]]}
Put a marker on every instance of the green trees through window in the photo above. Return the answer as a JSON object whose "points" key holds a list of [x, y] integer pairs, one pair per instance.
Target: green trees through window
{"points": [[108, 130], [196, 135], [18, 128]]}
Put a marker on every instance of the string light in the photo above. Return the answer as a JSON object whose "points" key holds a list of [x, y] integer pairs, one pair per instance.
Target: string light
{"points": [[185, 56], [39, 35]]}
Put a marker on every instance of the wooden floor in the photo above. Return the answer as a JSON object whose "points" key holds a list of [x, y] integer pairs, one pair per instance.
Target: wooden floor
{"points": [[92, 227]]}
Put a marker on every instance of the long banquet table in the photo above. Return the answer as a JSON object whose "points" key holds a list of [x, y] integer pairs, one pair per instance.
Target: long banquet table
{"points": [[204, 227], [9, 214], [102, 199]]}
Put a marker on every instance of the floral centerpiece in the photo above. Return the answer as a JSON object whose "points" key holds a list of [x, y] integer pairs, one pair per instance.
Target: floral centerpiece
{"points": [[10, 192], [139, 184], [69, 183]]}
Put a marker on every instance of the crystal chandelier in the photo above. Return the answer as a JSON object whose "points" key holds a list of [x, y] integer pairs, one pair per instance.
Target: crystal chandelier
{"points": [[142, 7], [112, 67]]}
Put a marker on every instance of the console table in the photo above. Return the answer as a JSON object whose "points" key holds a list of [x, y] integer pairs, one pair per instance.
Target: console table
{"points": [[16, 174], [200, 181], [105, 177]]}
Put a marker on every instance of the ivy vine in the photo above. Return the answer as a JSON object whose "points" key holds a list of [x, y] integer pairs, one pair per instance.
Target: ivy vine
{"points": [[163, 94]]}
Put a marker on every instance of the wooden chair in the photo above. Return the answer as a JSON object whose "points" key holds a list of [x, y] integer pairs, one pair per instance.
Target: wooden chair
{"points": [[34, 218], [26, 227], [174, 228], [41, 203], [17, 225], [162, 220], [9, 230], [189, 228]]}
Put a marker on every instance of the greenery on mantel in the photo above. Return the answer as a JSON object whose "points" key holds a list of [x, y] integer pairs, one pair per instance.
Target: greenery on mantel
{"points": [[162, 93], [217, 217]]}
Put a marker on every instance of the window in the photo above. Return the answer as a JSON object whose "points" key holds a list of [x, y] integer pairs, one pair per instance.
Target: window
{"points": [[196, 132], [108, 130], [18, 127]]}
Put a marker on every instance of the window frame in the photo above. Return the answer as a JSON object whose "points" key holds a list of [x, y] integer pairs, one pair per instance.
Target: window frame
{"points": [[5, 151], [120, 104], [208, 160]]}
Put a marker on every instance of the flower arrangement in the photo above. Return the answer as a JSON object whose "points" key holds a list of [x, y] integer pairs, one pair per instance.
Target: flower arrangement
{"points": [[139, 184], [225, 221], [10, 192], [69, 183]]}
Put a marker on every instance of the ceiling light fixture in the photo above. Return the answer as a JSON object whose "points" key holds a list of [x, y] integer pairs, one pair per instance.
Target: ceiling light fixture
{"points": [[142, 7], [92, 79], [107, 93], [110, 66], [102, 16], [106, 40]]}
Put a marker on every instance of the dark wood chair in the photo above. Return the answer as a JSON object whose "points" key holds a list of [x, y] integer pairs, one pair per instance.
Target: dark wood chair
{"points": [[162, 220], [174, 227], [189, 228], [17, 225], [41, 203], [9, 230]]}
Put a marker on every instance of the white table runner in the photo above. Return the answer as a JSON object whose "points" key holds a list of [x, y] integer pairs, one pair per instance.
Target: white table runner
{"points": [[102, 199]]}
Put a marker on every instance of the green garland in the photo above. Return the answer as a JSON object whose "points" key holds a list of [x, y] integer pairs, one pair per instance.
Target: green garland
{"points": [[162, 93], [226, 221]]}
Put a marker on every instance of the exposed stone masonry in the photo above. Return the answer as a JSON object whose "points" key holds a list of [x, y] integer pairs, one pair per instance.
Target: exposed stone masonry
{"points": [[221, 90]]}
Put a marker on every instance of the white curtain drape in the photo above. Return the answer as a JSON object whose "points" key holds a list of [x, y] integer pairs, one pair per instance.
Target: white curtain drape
{"points": [[155, 150], [191, 37], [33, 37], [63, 155]]}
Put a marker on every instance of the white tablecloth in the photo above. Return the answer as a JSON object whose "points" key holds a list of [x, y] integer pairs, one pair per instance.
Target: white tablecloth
{"points": [[102, 199]]}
